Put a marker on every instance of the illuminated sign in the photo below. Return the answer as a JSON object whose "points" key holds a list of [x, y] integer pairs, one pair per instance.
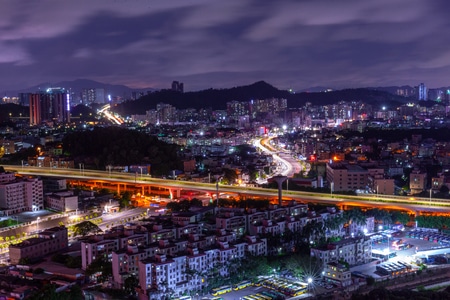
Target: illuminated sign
{"points": [[68, 101]]}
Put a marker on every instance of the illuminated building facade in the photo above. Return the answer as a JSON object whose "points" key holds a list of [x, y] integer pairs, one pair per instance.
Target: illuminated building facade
{"points": [[53, 105]]}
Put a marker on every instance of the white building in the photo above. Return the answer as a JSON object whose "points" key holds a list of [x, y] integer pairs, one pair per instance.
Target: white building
{"points": [[337, 274], [21, 195], [62, 201], [352, 251]]}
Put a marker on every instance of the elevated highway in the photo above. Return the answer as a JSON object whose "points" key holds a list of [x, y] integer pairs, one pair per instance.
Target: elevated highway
{"points": [[412, 204]]}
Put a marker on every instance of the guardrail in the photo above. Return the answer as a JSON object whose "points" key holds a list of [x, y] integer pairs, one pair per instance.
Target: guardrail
{"points": [[167, 183]]}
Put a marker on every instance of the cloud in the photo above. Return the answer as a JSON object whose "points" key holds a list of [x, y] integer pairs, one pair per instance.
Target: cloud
{"points": [[209, 43]]}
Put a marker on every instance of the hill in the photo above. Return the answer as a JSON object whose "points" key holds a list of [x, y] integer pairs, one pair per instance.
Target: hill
{"points": [[217, 98]]}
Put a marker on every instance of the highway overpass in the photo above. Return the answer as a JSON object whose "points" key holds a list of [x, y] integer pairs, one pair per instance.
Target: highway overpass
{"points": [[412, 204]]}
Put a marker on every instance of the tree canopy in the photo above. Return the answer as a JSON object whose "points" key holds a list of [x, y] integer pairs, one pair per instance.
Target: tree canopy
{"points": [[121, 147], [85, 228]]}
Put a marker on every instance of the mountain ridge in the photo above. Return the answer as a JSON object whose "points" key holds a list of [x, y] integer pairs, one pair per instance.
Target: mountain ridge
{"points": [[217, 98]]}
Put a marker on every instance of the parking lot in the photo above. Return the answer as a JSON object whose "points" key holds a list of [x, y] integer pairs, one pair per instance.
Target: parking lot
{"points": [[403, 246], [270, 288], [397, 247]]}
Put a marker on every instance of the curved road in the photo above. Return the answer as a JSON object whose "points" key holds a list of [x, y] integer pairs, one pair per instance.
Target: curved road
{"points": [[288, 164]]}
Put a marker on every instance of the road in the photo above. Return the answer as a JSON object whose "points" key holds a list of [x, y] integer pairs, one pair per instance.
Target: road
{"points": [[53, 220], [288, 165], [396, 202]]}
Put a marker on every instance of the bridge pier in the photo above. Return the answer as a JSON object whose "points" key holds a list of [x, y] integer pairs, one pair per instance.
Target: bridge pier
{"points": [[175, 193]]}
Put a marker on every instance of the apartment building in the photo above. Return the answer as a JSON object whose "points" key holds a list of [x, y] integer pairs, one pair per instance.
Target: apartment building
{"points": [[157, 232], [354, 251], [232, 221], [417, 181], [49, 241], [163, 275], [346, 177], [96, 246], [255, 246], [105, 244], [62, 201], [6, 177], [18, 195], [125, 262], [338, 274]]}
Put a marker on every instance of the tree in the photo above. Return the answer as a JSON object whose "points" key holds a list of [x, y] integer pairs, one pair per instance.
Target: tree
{"points": [[125, 199], [130, 285], [355, 215], [100, 266], [84, 228]]}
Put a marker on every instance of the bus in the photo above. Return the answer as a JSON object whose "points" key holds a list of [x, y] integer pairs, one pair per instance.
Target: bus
{"points": [[300, 291], [242, 285], [221, 290], [184, 298]]}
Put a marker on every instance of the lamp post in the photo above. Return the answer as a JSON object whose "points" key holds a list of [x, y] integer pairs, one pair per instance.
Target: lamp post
{"points": [[331, 188], [218, 178], [377, 190], [309, 280], [431, 191], [37, 223], [388, 245]]}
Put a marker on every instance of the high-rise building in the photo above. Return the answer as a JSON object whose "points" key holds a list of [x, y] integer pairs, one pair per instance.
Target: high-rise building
{"points": [[177, 86], [93, 95], [53, 105], [422, 92]]}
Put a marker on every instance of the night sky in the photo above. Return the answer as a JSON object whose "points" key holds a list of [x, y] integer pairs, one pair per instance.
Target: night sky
{"points": [[206, 43]]}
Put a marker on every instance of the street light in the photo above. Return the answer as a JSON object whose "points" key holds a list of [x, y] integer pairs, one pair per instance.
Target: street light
{"points": [[37, 223], [388, 245], [331, 189], [218, 178], [431, 190], [309, 280]]}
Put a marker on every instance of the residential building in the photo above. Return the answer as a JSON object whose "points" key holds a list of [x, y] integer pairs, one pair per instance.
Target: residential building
{"points": [[20, 195], [346, 177], [337, 274], [49, 241], [417, 181], [62, 201], [51, 106], [357, 250]]}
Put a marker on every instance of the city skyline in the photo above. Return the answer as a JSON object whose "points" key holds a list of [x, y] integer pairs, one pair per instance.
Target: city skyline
{"points": [[216, 44]]}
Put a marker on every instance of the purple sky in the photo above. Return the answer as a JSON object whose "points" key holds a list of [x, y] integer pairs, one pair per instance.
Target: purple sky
{"points": [[207, 43]]}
